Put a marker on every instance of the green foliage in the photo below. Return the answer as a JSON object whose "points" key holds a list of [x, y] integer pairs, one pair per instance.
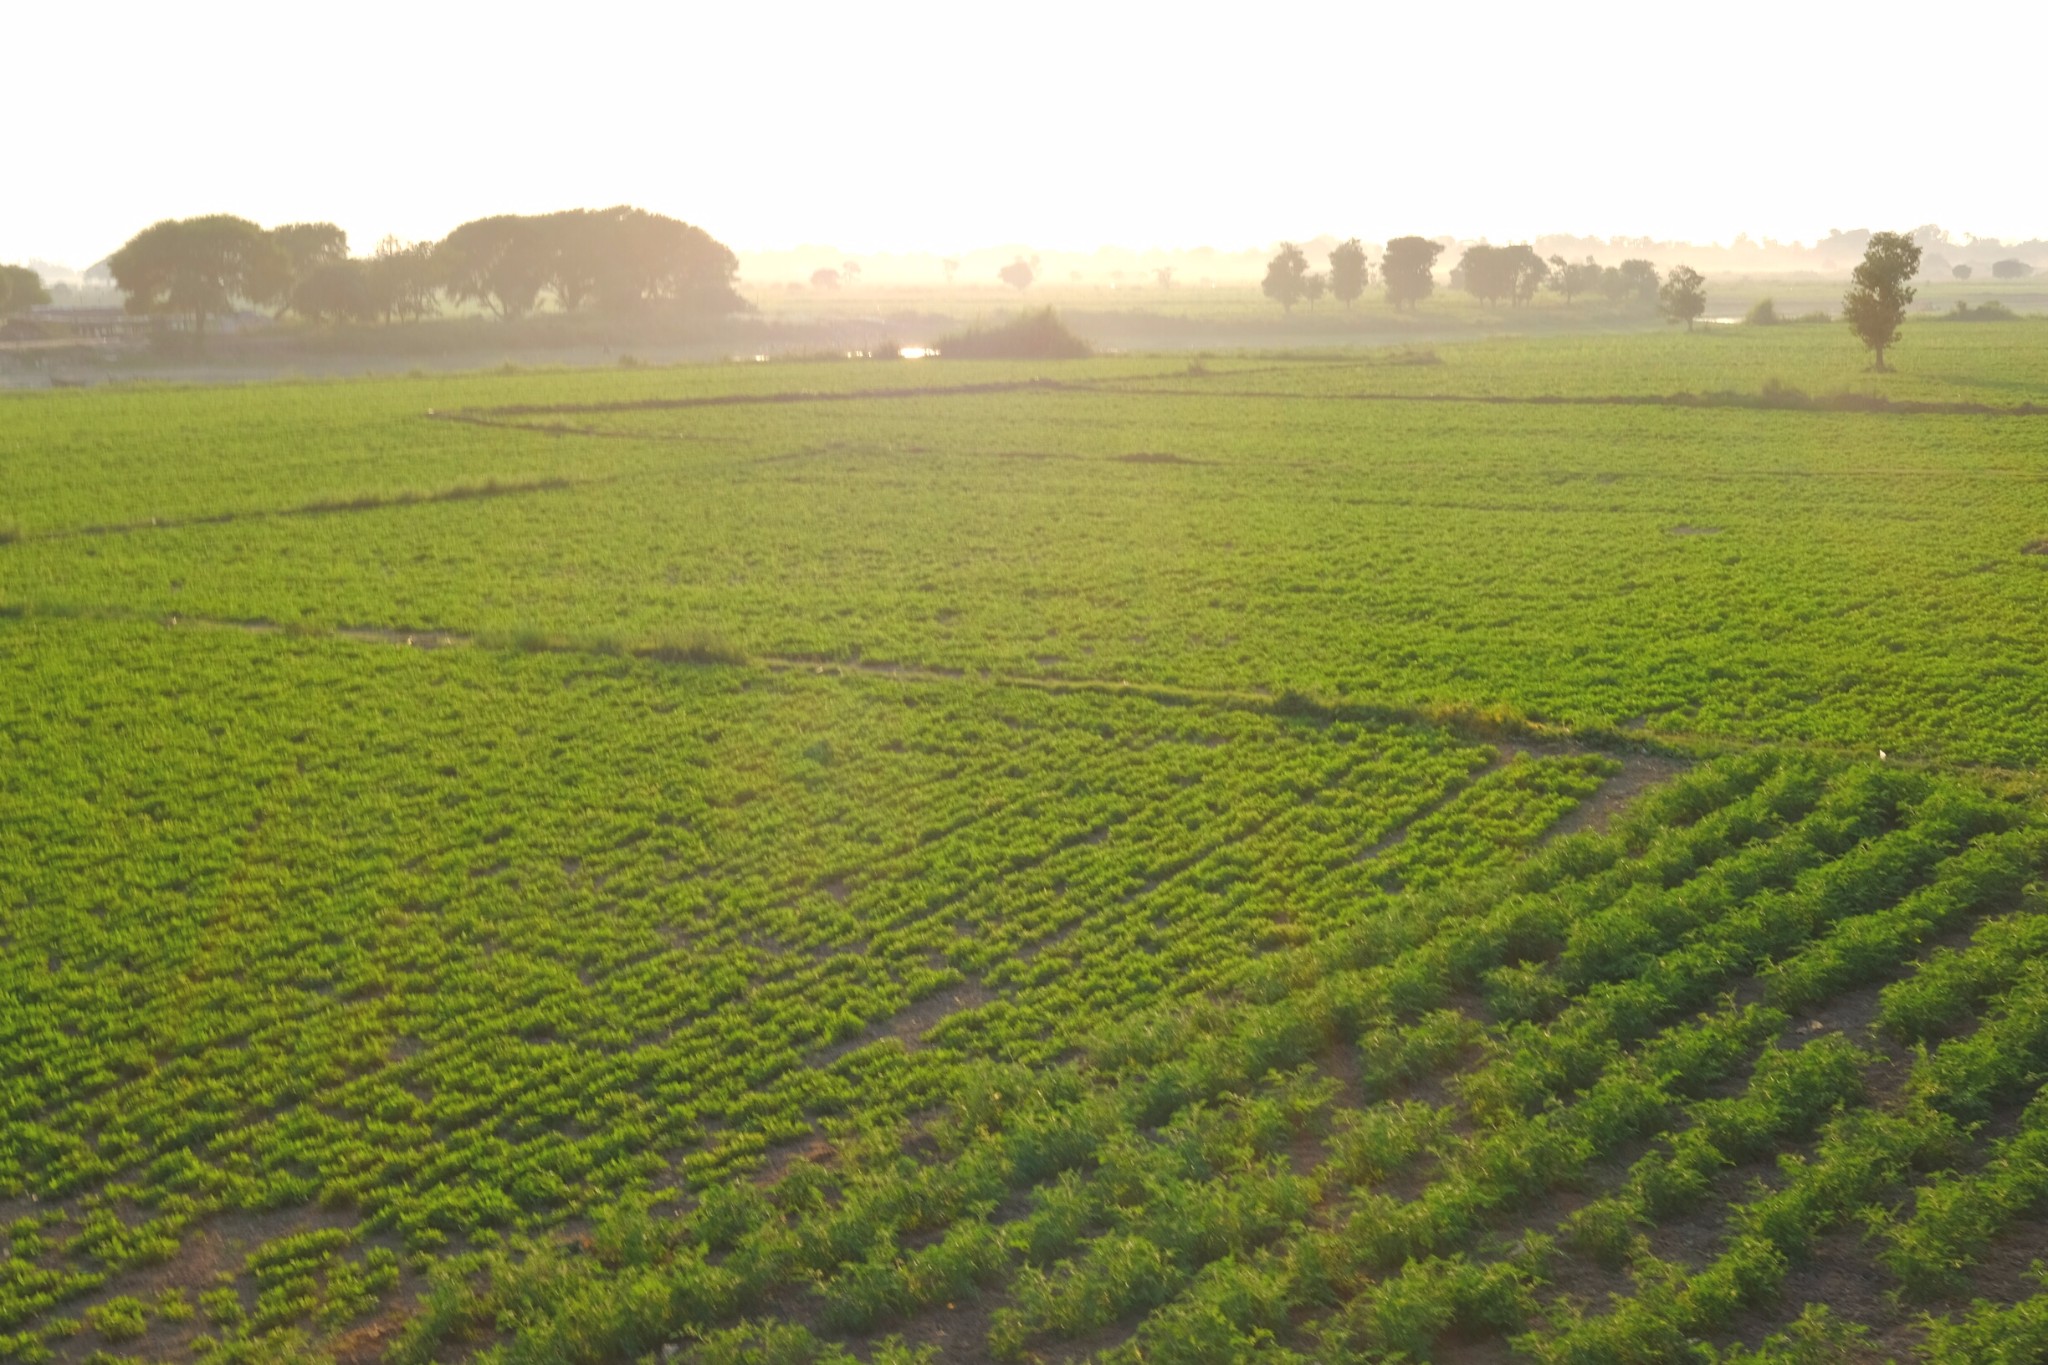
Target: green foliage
{"points": [[20, 290], [1493, 273], [1683, 295], [200, 268], [1349, 272], [1878, 293], [1286, 281], [671, 865], [1038, 335], [1406, 269]]}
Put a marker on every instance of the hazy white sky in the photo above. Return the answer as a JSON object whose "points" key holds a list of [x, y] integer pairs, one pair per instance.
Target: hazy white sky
{"points": [[949, 126]]}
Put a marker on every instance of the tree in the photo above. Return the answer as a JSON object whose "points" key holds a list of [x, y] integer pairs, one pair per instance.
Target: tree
{"points": [[2010, 270], [1632, 279], [1163, 276], [399, 280], [337, 290], [571, 246], [1313, 286], [198, 267], [20, 290], [1683, 295], [1284, 276], [951, 265], [1493, 273], [501, 263], [849, 271], [638, 260], [302, 249], [824, 277], [1961, 272], [1349, 273], [1528, 272], [1572, 278], [1878, 293], [1407, 268], [1018, 274]]}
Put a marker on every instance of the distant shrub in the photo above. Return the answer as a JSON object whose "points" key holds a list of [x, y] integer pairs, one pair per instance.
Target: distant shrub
{"points": [[2011, 270], [1778, 394], [1028, 336], [691, 649], [1815, 316], [1761, 314], [887, 349], [1991, 311], [1961, 272]]}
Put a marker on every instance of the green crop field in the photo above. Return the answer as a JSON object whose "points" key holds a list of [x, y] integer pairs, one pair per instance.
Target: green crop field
{"points": [[1527, 849]]}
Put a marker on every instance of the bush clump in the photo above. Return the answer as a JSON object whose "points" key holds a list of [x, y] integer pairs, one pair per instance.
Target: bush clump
{"points": [[1762, 313], [1028, 336], [1990, 311]]}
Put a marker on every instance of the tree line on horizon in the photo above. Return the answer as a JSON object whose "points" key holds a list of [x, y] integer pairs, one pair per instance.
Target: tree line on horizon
{"points": [[1874, 306], [1489, 273], [618, 261]]}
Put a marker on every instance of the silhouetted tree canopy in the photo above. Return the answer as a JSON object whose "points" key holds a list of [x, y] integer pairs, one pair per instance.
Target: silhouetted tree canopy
{"points": [[1028, 336], [199, 267], [620, 259], [1878, 293], [1961, 272], [20, 290], [302, 249], [1018, 274], [1286, 274], [1572, 278], [400, 280], [1493, 273], [1349, 273], [1632, 279], [1683, 295], [337, 291], [501, 263], [1405, 270], [2010, 270]]}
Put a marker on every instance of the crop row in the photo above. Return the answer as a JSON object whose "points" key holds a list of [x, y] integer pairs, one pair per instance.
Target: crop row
{"points": [[1215, 1179]]}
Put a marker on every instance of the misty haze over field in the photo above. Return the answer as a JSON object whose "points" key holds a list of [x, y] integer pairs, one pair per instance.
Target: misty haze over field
{"points": [[928, 130]]}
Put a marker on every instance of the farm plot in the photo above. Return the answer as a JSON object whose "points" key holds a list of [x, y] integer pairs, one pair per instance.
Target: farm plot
{"points": [[383, 951], [1696, 1082], [1855, 579], [724, 863]]}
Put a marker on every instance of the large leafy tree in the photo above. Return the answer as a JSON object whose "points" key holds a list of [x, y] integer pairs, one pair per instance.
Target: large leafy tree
{"points": [[1286, 276], [199, 267], [1349, 273], [502, 263], [1572, 278], [1493, 273], [1683, 295], [303, 250], [1406, 270], [619, 259], [335, 289], [658, 260], [20, 290], [399, 280], [1632, 279], [1878, 293]]}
